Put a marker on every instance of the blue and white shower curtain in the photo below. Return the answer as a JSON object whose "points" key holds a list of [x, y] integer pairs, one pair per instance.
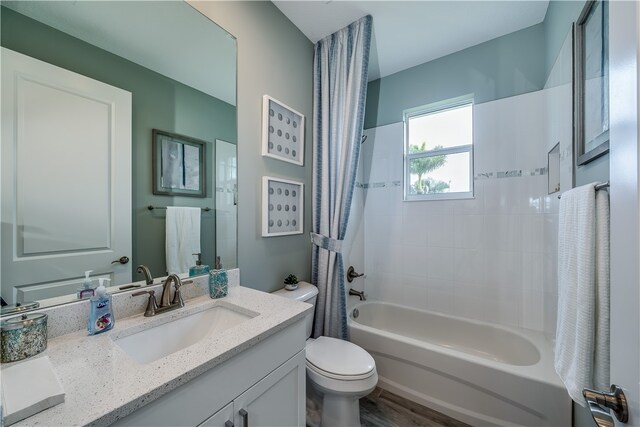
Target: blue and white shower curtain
{"points": [[341, 65]]}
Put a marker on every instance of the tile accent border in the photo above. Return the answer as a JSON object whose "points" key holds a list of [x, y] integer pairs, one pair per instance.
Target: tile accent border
{"points": [[516, 173]]}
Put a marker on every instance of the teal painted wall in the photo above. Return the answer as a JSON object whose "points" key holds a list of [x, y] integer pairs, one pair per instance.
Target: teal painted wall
{"points": [[158, 102], [506, 66], [557, 23], [274, 58]]}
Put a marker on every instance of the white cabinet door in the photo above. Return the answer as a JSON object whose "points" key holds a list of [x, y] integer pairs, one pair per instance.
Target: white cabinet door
{"points": [[278, 400], [222, 418], [66, 179]]}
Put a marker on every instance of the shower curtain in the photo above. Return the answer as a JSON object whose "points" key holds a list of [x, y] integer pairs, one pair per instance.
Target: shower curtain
{"points": [[341, 65]]}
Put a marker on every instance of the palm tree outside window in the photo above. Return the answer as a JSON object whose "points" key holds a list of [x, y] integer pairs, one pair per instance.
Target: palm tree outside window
{"points": [[439, 151]]}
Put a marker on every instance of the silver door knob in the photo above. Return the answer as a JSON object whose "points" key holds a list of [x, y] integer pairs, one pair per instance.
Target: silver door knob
{"points": [[614, 400]]}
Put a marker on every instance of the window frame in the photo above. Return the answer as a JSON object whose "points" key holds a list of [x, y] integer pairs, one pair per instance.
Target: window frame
{"points": [[425, 110]]}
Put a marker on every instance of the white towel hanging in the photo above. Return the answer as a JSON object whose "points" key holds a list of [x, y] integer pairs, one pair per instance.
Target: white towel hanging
{"points": [[182, 238], [582, 336]]}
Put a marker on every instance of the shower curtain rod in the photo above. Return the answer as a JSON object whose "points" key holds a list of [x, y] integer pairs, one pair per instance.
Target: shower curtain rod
{"points": [[599, 186]]}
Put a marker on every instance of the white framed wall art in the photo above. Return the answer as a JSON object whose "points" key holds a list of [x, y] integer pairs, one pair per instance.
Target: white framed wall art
{"points": [[282, 132], [282, 207]]}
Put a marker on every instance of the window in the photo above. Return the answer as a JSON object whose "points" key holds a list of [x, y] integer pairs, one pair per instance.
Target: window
{"points": [[439, 151]]}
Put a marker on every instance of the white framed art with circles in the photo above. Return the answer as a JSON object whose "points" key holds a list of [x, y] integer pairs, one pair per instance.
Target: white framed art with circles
{"points": [[282, 131], [282, 207]]}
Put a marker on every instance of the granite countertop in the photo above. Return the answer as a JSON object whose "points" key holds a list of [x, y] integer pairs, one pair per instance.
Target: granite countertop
{"points": [[102, 383]]}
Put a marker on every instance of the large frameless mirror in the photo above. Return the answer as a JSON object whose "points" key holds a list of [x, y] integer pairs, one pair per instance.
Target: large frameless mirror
{"points": [[83, 86]]}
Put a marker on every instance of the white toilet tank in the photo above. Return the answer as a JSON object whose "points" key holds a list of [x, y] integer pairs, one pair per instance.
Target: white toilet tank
{"points": [[306, 292]]}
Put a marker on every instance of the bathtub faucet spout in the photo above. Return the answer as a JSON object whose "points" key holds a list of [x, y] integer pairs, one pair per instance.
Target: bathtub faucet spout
{"points": [[360, 294]]}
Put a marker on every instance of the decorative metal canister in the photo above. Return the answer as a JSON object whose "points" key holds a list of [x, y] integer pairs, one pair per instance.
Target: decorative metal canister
{"points": [[18, 307], [23, 336]]}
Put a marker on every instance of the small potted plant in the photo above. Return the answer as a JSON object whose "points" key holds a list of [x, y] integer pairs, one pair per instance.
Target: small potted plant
{"points": [[291, 282]]}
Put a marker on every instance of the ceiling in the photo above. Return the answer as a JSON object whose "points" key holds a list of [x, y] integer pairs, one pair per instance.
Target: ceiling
{"points": [[408, 33], [151, 34]]}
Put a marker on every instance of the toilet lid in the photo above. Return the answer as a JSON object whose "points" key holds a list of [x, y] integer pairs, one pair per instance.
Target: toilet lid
{"points": [[339, 357]]}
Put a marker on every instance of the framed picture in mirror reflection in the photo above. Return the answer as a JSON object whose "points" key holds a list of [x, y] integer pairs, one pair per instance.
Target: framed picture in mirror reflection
{"points": [[179, 165]]}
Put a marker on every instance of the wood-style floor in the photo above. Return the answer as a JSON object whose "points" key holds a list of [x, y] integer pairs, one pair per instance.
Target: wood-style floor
{"points": [[384, 409]]}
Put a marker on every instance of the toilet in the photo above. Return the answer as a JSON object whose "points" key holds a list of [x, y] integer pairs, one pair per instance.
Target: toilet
{"points": [[339, 372]]}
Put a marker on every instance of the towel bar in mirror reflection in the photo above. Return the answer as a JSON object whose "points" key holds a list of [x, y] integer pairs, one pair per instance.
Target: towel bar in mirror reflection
{"points": [[151, 207], [182, 91]]}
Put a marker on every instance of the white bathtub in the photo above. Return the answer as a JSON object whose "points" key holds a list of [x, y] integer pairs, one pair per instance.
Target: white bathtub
{"points": [[476, 372]]}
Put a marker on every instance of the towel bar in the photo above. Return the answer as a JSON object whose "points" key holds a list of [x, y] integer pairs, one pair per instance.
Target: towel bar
{"points": [[151, 207], [597, 187]]}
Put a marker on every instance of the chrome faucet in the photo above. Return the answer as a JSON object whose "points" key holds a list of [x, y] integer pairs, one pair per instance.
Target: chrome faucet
{"points": [[166, 303], [147, 274], [351, 274], [360, 294], [166, 292], [152, 305]]}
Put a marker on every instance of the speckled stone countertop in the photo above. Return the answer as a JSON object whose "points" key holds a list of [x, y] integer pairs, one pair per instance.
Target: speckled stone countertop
{"points": [[102, 383]]}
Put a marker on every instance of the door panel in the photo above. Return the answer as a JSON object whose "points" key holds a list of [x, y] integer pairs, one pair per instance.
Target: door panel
{"points": [[625, 203], [54, 124], [50, 290], [77, 215]]}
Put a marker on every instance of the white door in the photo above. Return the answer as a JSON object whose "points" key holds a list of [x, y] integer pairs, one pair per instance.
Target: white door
{"points": [[624, 18], [65, 165]]}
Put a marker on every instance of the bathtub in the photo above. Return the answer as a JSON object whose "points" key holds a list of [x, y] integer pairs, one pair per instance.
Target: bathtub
{"points": [[478, 373]]}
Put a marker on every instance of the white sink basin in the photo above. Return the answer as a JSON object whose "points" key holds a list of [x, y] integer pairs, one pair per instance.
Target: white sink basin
{"points": [[162, 340]]}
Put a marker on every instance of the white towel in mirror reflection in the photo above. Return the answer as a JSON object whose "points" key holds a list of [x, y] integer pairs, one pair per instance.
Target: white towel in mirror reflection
{"points": [[182, 238]]}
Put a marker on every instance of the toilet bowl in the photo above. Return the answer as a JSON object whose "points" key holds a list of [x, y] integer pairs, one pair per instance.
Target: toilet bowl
{"points": [[339, 372]]}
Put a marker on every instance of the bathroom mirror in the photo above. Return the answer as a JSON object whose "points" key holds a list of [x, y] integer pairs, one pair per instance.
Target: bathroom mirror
{"points": [[175, 70], [592, 81]]}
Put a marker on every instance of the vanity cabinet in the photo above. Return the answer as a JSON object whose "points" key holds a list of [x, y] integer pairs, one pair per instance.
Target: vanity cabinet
{"points": [[273, 401], [222, 418], [267, 380]]}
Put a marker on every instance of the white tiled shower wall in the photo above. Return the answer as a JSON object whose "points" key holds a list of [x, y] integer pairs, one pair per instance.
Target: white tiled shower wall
{"points": [[492, 258]]}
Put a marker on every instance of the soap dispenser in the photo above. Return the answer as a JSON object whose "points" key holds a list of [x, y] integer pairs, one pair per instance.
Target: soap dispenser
{"points": [[101, 314], [198, 269], [86, 291], [218, 281]]}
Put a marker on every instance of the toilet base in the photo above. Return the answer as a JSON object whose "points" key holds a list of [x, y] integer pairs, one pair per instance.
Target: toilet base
{"points": [[328, 408], [340, 411]]}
